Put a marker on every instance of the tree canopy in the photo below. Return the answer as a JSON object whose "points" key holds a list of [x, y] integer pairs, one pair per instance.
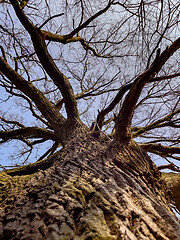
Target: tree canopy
{"points": [[110, 67]]}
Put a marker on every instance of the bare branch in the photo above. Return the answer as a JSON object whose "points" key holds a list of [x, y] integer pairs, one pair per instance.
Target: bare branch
{"points": [[3, 53], [46, 60], [27, 132], [163, 122], [49, 151], [170, 166], [123, 122], [50, 18], [156, 79], [85, 24], [116, 100], [12, 122], [30, 105], [63, 39], [164, 150], [42, 103]]}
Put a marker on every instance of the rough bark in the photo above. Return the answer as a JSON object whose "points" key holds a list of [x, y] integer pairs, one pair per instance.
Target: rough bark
{"points": [[93, 190], [173, 183]]}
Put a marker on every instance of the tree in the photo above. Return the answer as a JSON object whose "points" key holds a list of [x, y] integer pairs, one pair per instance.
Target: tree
{"points": [[101, 184]]}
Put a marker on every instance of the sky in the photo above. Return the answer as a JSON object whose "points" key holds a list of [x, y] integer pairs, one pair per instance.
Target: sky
{"points": [[8, 149]]}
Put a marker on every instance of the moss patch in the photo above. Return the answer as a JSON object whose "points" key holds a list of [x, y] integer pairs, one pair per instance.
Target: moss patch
{"points": [[173, 183], [10, 187]]}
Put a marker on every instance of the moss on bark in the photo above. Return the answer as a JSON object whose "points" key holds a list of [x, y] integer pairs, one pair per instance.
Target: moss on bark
{"points": [[173, 182]]}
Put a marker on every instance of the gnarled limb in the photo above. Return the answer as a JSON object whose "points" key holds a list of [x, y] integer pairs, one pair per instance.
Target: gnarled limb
{"points": [[47, 62], [64, 39], [70, 37], [42, 103], [118, 98], [164, 150], [30, 132], [124, 118]]}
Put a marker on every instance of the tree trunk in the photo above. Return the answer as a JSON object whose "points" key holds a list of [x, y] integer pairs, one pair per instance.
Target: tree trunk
{"points": [[93, 190]]}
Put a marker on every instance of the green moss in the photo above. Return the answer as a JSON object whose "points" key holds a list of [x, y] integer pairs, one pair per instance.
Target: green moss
{"points": [[27, 169], [9, 185], [98, 221], [15, 169], [173, 183]]}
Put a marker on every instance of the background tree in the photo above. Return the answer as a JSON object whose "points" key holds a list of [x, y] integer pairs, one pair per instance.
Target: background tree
{"points": [[92, 76]]}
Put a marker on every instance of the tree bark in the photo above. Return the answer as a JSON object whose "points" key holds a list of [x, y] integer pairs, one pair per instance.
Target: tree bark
{"points": [[93, 190]]}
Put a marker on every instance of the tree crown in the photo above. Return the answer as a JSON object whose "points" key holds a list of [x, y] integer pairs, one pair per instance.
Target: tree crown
{"points": [[106, 67]]}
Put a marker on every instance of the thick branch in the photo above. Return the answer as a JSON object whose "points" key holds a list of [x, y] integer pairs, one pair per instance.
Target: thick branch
{"points": [[42, 103], [170, 166], [117, 99], [103, 113], [34, 167], [166, 77], [60, 38], [27, 132], [66, 39], [164, 150], [124, 118], [47, 62], [70, 37]]}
